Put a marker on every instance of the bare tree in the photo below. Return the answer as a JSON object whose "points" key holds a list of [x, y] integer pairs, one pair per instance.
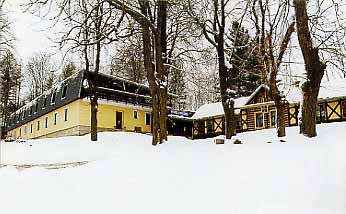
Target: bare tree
{"points": [[321, 39], [152, 17], [91, 24], [128, 62], [273, 32], [38, 71], [213, 22]]}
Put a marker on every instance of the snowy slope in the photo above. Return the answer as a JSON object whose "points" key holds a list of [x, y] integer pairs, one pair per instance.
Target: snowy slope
{"points": [[127, 175]]}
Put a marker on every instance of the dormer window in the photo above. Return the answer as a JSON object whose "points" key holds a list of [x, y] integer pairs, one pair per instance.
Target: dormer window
{"points": [[64, 90], [52, 101], [36, 108], [24, 114], [45, 102], [30, 112]]}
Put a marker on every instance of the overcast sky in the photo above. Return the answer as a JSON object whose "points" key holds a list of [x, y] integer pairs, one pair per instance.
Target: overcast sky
{"points": [[32, 33]]}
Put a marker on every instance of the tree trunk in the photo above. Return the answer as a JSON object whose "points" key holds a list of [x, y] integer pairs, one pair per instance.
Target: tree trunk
{"points": [[93, 110], [230, 122], [161, 61], [308, 122], [157, 118], [280, 118], [314, 67]]}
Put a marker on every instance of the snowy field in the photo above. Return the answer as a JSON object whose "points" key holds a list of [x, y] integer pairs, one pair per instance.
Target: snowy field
{"points": [[125, 174]]}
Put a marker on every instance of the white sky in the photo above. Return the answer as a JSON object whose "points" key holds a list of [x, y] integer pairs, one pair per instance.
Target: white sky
{"points": [[32, 33]]}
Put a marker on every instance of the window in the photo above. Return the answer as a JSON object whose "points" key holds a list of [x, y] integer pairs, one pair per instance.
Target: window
{"points": [[45, 102], [210, 126], [135, 114], [64, 90], [55, 118], [31, 127], [25, 130], [30, 112], [65, 114], [273, 118], [38, 125], [201, 127], [36, 108], [46, 122], [24, 114], [52, 101], [147, 118], [259, 120], [320, 114], [343, 106], [20, 132]]}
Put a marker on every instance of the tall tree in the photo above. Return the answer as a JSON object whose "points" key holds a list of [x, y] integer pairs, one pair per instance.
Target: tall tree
{"points": [[244, 60], [10, 83], [90, 24], [272, 43], [321, 30], [152, 17], [213, 23], [314, 67]]}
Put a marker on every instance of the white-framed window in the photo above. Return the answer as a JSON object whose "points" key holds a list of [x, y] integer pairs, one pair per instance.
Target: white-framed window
{"points": [[259, 120], [65, 114], [55, 118], [135, 114], [272, 116], [147, 118]]}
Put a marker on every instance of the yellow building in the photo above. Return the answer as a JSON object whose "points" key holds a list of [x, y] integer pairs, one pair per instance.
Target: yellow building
{"points": [[65, 110]]}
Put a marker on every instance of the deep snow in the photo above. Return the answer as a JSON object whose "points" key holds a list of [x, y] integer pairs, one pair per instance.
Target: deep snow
{"points": [[128, 175]]}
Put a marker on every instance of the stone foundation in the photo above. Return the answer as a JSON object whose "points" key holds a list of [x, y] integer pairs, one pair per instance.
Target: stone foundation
{"points": [[76, 131]]}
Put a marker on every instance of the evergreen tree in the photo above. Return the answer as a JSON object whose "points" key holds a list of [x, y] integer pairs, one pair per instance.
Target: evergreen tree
{"points": [[68, 70], [10, 82], [244, 61]]}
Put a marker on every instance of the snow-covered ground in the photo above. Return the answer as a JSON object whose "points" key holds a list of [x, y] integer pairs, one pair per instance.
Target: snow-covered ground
{"points": [[125, 174]]}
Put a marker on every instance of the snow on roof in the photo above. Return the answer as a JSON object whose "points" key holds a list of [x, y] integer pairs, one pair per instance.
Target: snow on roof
{"points": [[255, 92], [328, 90], [216, 109]]}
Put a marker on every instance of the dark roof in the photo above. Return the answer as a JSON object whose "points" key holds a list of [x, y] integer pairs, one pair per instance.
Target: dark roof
{"points": [[110, 88], [72, 85]]}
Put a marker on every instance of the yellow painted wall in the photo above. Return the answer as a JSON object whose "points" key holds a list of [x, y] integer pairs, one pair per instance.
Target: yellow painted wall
{"points": [[106, 116], [72, 121], [79, 115], [332, 105], [218, 121], [292, 111]]}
